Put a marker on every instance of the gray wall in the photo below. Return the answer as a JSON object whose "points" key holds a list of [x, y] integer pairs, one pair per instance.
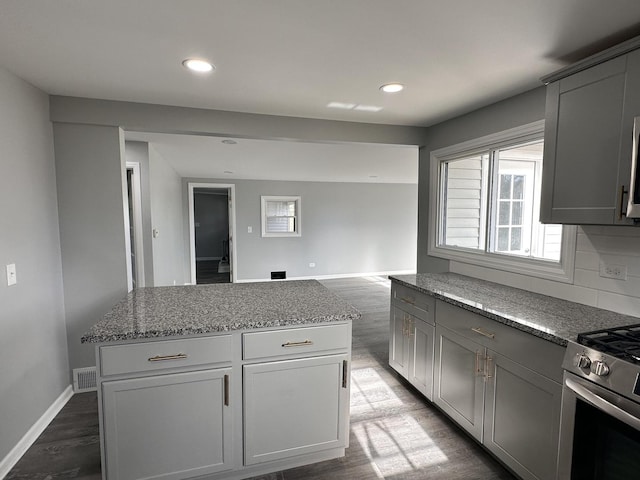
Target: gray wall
{"points": [[34, 368], [169, 247], [512, 112], [347, 228], [90, 177]]}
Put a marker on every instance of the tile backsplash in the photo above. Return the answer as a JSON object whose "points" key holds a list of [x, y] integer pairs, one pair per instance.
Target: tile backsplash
{"points": [[596, 245]]}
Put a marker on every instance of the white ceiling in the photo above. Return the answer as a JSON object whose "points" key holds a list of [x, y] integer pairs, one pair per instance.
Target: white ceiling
{"points": [[293, 57], [208, 157]]}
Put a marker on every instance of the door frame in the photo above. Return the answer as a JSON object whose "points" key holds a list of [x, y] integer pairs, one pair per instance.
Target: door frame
{"points": [[231, 188], [136, 196]]}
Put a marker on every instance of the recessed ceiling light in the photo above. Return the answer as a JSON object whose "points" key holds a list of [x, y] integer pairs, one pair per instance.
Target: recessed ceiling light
{"points": [[198, 65], [345, 106], [392, 87], [228, 141], [367, 108]]}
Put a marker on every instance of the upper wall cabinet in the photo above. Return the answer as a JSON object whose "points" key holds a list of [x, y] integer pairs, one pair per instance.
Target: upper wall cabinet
{"points": [[588, 138]]}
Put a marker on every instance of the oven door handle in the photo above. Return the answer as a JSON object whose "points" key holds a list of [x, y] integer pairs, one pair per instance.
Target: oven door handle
{"points": [[603, 404]]}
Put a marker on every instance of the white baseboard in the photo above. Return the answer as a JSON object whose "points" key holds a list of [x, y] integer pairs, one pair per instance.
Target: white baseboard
{"points": [[330, 277], [8, 462]]}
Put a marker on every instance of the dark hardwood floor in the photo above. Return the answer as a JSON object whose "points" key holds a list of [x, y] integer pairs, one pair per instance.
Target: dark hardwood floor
{"points": [[395, 432]]}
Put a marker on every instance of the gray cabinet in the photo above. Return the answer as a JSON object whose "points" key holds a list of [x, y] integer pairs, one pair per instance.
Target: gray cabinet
{"points": [[232, 405], [588, 140], [295, 407], [522, 417], [167, 426], [411, 340], [459, 383], [502, 386]]}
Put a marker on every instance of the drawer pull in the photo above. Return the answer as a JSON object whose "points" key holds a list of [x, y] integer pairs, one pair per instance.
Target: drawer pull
{"points": [[305, 343], [408, 300], [160, 358], [483, 333]]}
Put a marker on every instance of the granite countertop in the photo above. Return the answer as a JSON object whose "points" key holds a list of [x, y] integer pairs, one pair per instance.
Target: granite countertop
{"points": [[196, 309], [547, 317]]}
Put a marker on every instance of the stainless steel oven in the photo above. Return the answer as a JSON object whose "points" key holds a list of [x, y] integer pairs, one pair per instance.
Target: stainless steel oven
{"points": [[600, 417]]}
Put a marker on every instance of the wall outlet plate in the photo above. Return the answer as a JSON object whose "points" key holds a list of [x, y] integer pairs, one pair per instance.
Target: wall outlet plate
{"points": [[11, 274], [617, 272]]}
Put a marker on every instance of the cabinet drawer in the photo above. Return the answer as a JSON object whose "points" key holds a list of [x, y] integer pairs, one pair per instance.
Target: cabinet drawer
{"points": [[416, 303], [533, 352], [296, 341], [151, 356]]}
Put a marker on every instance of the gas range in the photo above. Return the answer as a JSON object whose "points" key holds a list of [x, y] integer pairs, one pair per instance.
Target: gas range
{"points": [[609, 358]]}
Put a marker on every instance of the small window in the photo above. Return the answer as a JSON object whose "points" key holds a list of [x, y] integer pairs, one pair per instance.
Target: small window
{"points": [[280, 216], [485, 205]]}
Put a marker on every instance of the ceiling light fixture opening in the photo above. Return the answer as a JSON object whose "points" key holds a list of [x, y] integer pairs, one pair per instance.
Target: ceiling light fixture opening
{"points": [[392, 87], [367, 108], [345, 106], [198, 65], [354, 106]]}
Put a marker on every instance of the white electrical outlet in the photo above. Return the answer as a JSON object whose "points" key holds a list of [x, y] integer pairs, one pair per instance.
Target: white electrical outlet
{"points": [[249, 229], [11, 274], [312, 265], [617, 272]]}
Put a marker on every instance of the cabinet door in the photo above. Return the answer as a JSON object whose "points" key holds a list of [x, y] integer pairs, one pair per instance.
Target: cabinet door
{"points": [[459, 379], [631, 110], [421, 338], [522, 418], [399, 341], [583, 135], [295, 407], [167, 426]]}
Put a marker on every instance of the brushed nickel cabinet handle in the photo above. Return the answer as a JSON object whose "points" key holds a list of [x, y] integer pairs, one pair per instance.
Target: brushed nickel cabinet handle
{"points": [[488, 367], [304, 343], [344, 373], [226, 390], [408, 300], [160, 358], [479, 331], [623, 191], [478, 361]]}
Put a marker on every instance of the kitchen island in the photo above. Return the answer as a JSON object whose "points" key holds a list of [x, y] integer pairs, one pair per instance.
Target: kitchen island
{"points": [[223, 381]]}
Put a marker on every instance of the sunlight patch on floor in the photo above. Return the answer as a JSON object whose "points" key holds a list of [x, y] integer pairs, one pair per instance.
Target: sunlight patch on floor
{"points": [[396, 444]]}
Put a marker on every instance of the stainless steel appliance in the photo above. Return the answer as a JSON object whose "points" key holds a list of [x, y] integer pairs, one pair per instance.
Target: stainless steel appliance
{"points": [[600, 418], [633, 207]]}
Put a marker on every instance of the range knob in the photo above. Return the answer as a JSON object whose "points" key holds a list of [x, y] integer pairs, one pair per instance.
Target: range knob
{"points": [[582, 361], [600, 368]]}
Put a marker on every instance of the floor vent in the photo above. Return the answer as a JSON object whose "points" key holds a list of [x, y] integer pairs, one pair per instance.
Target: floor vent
{"points": [[279, 275], [84, 379]]}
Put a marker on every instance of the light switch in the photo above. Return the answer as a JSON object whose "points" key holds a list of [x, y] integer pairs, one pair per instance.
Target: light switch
{"points": [[11, 274], [249, 229]]}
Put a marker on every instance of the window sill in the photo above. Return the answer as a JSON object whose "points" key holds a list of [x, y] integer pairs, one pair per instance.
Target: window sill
{"points": [[558, 272]]}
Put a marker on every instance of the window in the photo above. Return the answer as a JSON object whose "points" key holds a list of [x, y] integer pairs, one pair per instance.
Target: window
{"points": [[280, 216], [485, 204]]}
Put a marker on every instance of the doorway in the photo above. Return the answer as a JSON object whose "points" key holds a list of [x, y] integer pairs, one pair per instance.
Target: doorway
{"points": [[133, 227], [211, 229]]}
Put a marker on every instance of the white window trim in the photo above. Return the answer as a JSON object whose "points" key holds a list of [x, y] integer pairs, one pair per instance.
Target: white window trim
{"points": [[279, 198], [560, 272]]}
